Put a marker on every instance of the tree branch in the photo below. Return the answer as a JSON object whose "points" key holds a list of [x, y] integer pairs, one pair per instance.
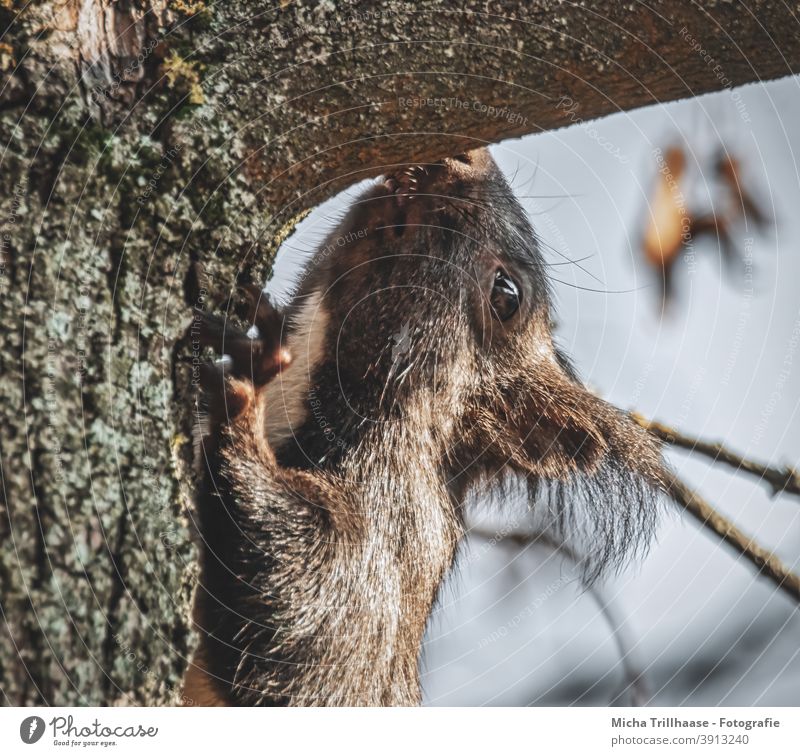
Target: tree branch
{"points": [[765, 561], [414, 82], [322, 96], [781, 480]]}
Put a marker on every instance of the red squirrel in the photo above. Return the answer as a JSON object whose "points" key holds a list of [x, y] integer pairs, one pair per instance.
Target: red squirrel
{"points": [[414, 362]]}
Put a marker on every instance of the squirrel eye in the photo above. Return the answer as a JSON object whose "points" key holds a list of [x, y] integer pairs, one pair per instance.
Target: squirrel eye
{"points": [[505, 296]]}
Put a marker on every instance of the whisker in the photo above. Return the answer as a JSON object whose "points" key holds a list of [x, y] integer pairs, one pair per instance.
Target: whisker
{"points": [[602, 291], [569, 262]]}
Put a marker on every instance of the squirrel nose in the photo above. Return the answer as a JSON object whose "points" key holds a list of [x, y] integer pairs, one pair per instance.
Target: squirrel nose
{"points": [[472, 166]]}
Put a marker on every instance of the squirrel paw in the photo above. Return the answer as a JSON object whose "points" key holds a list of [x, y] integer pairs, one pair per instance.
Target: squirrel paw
{"points": [[256, 359], [251, 361]]}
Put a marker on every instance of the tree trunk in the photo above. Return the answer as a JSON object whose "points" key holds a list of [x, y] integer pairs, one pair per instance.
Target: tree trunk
{"points": [[154, 155]]}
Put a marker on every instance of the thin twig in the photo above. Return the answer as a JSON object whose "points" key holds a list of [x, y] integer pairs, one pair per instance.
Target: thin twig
{"points": [[781, 480], [787, 480], [766, 562]]}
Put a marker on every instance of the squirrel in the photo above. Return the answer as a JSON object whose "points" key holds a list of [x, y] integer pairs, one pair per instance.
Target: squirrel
{"points": [[414, 362]]}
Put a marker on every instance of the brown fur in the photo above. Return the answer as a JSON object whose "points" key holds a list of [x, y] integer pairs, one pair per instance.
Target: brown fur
{"points": [[342, 441]]}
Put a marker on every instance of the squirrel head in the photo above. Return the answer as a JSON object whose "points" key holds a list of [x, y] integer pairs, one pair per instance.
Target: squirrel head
{"points": [[429, 307]]}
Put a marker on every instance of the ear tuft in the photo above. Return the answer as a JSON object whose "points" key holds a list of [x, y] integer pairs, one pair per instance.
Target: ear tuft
{"points": [[593, 475], [556, 425], [562, 438]]}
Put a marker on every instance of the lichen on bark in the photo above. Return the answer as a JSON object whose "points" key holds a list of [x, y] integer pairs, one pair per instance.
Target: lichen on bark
{"points": [[104, 215]]}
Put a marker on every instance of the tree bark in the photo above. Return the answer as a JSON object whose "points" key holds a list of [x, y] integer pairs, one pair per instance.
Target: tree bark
{"points": [[154, 155]]}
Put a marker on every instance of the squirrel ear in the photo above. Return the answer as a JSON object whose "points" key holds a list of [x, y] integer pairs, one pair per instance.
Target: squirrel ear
{"points": [[558, 426], [546, 424]]}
